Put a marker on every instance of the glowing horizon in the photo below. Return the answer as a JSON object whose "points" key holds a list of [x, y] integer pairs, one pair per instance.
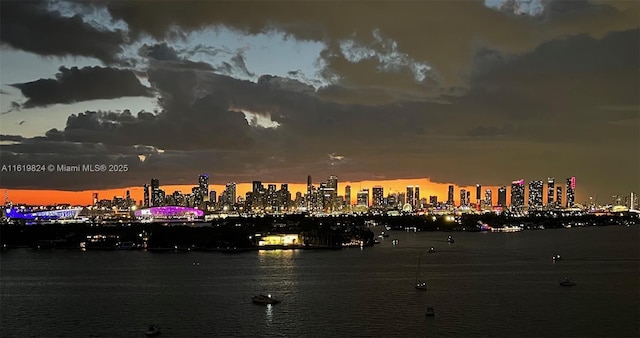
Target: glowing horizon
{"points": [[85, 197]]}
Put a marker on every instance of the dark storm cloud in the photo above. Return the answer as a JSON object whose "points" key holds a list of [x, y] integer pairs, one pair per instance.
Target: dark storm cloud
{"points": [[82, 84], [162, 55], [30, 26], [383, 46]]}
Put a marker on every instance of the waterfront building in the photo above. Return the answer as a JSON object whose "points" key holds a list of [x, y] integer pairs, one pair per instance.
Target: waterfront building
{"points": [[478, 193], [416, 195], [535, 194], [571, 191], [550, 190], [517, 194], [502, 196]]}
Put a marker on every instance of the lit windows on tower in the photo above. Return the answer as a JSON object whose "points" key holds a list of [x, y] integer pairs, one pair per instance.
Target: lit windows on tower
{"points": [[450, 202], [363, 197], [571, 191], [410, 196], [517, 194], [535, 194], [488, 200], [550, 190], [502, 196], [559, 196], [203, 186], [378, 196]]}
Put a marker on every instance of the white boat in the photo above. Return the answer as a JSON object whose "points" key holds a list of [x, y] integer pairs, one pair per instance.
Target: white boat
{"points": [[450, 239], [567, 282], [262, 299], [152, 331]]}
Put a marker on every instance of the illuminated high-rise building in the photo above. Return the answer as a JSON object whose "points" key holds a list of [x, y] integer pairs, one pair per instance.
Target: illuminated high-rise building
{"points": [[450, 202], [347, 195], [156, 197], [502, 196], [488, 199], [410, 196], [478, 193], [517, 194], [416, 196], [203, 186], [550, 190], [332, 182], [571, 191], [212, 196], [378, 196], [559, 196], [95, 199], [363, 197], [536, 189], [230, 194], [463, 197], [146, 200]]}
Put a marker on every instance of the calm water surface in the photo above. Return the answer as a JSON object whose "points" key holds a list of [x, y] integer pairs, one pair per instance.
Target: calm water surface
{"points": [[484, 285]]}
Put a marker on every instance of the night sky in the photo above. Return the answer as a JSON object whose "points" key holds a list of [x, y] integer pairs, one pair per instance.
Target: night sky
{"points": [[457, 92]]}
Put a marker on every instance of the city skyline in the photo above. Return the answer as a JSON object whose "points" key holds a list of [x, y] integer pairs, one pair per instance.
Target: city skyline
{"points": [[441, 191], [461, 93]]}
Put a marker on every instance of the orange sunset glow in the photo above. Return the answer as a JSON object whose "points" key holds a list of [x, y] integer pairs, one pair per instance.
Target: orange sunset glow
{"points": [[50, 197]]}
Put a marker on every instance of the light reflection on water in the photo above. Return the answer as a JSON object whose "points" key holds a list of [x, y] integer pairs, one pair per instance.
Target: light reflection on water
{"points": [[496, 284]]}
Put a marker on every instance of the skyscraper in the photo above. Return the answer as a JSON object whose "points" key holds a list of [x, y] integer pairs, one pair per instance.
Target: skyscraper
{"points": [[95, 199], [416, 196], [550, 190], [488, 199], [156, 196], [347, 195], [363, 197], [450, 202], [502, 196], [571, 191], [378, 196], [230, 194], [559, 196], [517, 194], [478, 193], [463, 197], [146, 201], [535, 194], [410, 196], [433, 200], [203, 186]]}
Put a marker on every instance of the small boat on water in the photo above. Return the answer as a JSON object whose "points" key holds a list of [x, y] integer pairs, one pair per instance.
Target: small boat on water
{"points": [[431, 250], [262, 299], [556, 258], [567, 282], [450, 239], [420, 285], [152, 331], [430, 312]]}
